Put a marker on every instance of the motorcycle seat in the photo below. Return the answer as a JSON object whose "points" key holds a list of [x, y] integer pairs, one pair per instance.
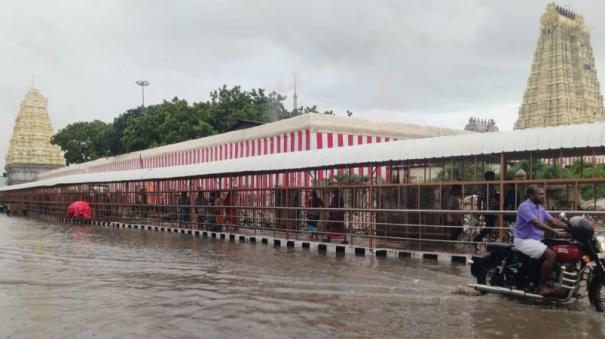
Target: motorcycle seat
{"points": [[499, 247]]}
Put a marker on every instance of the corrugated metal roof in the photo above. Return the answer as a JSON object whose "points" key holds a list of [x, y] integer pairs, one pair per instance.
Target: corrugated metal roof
{"points": [[538, 139]]}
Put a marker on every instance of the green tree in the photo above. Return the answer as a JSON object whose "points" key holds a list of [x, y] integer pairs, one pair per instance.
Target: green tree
{"points": [[581, 169], [314, 109], [227, 106], [460, 171], [275, 107], [84, 141], [167, 123], [120, 124], [170, 122], [540, 170], [347, 179], [308, 109]]}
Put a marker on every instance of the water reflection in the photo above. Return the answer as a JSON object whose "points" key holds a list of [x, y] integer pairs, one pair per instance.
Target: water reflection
{"points": [[83, 281]]}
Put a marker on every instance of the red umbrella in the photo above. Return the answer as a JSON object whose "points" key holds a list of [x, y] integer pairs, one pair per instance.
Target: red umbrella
{"points": [[79, 210]]}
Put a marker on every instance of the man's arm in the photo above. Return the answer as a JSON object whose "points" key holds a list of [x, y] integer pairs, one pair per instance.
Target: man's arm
{"points": [[556, 223], [547, 228]]}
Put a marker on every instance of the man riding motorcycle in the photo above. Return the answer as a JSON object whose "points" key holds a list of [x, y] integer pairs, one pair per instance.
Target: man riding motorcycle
{"points": [[567, 265], [532, 221]]}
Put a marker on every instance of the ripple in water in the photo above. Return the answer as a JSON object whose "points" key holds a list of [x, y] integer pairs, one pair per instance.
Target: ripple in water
{"points": [[61, 281]]}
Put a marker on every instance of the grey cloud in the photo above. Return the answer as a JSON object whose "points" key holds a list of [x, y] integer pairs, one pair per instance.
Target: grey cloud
{"points": [[435, 62]]}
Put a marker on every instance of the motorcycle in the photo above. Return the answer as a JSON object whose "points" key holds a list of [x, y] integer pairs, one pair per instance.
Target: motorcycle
{"points": [[580, 262]]}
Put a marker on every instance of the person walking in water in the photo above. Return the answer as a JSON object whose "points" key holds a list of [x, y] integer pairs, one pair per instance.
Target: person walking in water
{"points": [[454, 220], [184, 208], [231, 213], [313, 216], [212, 212], [201, 209]]}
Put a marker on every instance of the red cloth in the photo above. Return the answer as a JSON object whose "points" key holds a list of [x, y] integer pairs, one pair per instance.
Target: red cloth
{"points": [[79, 209]]}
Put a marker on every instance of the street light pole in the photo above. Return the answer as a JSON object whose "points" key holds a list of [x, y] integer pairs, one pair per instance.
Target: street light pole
{"points": [[143, 84]]}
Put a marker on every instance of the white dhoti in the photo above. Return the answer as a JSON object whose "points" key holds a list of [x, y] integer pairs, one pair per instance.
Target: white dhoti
{"points": [[530, 247]]}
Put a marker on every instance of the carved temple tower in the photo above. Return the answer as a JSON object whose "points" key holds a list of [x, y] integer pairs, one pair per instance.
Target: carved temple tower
{"points": [[562, 87], [30, 151]]}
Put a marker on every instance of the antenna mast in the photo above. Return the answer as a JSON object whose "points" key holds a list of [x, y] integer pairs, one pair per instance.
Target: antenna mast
{"points": [[295, 97]]}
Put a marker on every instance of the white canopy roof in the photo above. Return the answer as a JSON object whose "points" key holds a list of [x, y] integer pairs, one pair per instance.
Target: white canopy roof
{"points": [[539, 139]]}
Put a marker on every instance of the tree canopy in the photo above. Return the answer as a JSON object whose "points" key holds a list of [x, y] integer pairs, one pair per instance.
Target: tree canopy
{"points": [[167, 123], [170, 122], [227, 106], [84, 141]]}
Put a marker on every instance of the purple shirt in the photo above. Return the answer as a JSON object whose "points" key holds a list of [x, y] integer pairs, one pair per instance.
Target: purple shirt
{"points": [[528, 211]]}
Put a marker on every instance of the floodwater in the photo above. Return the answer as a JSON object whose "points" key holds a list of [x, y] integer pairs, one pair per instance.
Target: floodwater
{"points": [[70, 281]]}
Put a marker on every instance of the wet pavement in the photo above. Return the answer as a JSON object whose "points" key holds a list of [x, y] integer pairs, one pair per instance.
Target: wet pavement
{"points": [[71, 281]]}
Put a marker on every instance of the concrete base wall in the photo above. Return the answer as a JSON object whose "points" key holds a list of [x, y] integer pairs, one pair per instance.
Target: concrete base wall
{"points": [[22, 173]]}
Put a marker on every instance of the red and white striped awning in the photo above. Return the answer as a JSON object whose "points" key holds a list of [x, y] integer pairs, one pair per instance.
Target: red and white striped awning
{"points": [[305, 132]]}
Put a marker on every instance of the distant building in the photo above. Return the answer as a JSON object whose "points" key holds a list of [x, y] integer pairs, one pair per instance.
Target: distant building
{"points": [[30, 151], [481, 125], [562, 88]]}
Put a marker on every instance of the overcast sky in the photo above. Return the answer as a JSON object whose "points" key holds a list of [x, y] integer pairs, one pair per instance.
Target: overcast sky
{"points": [[426, 62]]}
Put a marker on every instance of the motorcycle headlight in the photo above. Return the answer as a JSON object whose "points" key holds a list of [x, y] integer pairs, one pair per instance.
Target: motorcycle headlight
{"points": [[600, 239]]}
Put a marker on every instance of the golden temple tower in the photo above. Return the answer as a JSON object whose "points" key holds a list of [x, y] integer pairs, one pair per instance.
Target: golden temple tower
{"points": [[30, 151], [562, 88]]}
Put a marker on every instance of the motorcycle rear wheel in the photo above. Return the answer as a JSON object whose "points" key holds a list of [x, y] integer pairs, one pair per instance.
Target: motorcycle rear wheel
{"points": [[484, 276]]}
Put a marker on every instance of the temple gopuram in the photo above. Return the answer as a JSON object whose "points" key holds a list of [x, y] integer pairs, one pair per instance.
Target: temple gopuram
{"points": [[30, 151], [562, 88], [481, 125]]}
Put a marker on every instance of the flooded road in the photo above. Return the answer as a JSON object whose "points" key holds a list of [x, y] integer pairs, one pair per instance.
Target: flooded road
{"points": [[69, 281]]}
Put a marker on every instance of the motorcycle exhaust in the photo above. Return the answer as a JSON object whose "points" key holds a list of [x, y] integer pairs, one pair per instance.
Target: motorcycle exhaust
{"points": [[504, 290]]}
